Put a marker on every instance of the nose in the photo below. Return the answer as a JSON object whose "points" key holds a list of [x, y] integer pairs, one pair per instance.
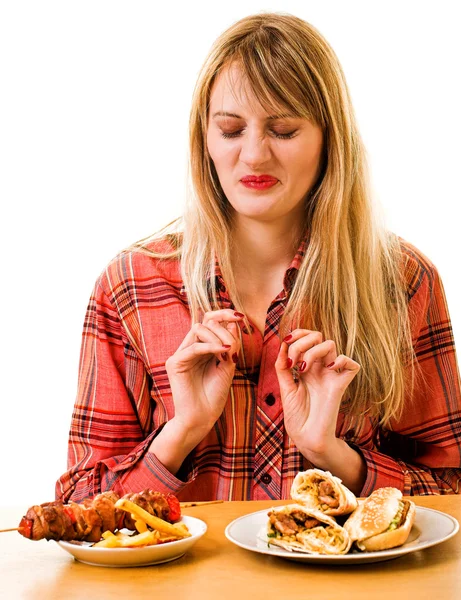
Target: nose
{"points": [[255, 150]]}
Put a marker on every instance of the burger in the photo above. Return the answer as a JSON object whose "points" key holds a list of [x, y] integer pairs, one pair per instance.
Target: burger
{"points": [[382, 521]]}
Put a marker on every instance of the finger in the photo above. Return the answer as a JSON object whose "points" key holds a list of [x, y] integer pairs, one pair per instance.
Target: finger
{"points": [[223, 315], [199, 333], [283, 370], [344, 363], [191, 353], [235, 331], [296, 334], [224, 334], [303, 342], [324, 353], [227, 335]]}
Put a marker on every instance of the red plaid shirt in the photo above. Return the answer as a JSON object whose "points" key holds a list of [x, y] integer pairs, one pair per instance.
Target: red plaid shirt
{"points": [[138, 316]]}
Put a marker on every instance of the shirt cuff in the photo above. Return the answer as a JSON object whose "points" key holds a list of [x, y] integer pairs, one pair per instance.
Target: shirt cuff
{"points": [[144, 470], [383, 471], [149, 472]]}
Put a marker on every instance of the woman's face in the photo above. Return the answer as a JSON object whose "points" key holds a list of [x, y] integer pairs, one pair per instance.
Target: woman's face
{"points": [[244, 140]]}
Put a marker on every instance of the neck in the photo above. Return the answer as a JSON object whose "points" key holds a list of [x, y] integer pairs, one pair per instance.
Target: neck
{"points": [[261, 248]]}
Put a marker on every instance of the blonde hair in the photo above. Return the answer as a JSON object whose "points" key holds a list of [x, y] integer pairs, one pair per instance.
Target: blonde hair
{"points": [[350, 285]]}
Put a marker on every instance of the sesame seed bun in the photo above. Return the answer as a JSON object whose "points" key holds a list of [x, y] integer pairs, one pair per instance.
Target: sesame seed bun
{"points": [[368, 525], [391, 539]]}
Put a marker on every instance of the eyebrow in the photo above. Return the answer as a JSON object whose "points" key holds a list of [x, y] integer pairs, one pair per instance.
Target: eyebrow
{"points": [[270, 118]]}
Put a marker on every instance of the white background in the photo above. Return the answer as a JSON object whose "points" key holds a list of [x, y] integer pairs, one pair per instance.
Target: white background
{"points": [[94, 108]]}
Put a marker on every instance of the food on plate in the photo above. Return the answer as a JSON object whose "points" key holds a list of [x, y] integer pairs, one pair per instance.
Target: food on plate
{"points": [[87, 520], [174, 529], [161, 533], [123, 540], [382, 521], [296, 527], [323, 491]]}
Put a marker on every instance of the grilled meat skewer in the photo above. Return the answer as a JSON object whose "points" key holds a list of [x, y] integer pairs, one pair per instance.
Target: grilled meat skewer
{"points": [[88, 520]]}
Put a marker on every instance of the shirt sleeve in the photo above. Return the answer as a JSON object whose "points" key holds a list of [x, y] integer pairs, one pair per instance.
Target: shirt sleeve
{"points": [[111, 425], [422, 452]]}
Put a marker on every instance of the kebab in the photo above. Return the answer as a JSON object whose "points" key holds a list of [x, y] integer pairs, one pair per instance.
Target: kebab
{"points": [[86, 521]]}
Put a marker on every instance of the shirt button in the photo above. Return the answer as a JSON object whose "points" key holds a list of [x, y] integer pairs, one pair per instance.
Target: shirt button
{"points": [[266, 478], [350, 434], [270, 399]]}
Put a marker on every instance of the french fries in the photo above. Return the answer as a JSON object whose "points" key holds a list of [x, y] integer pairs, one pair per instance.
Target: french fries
{"points": [[178, 529], [161, 531]]}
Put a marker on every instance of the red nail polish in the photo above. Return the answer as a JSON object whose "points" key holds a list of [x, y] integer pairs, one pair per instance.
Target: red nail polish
{"points": [[288, 338], [302, 366], [226, 345], [224, 356], [289, 363], [329, 366], [235, 358], [238, 314]]}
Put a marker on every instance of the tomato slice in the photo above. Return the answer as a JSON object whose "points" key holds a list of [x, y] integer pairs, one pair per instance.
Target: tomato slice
{"points": [[70, 513], [175, 507], [25, 527]]}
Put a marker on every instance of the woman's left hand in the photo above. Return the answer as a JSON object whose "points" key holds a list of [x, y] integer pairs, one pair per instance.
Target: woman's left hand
{"points": [[311, 405]]}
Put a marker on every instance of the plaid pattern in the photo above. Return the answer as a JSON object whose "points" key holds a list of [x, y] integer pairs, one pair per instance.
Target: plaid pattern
{"points": [[137, 317]]}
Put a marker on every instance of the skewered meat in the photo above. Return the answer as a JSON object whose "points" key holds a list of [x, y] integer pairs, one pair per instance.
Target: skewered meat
{"points": [[89, 519]]}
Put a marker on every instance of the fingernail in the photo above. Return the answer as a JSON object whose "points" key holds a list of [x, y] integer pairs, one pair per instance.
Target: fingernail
{"points": [[329, 366], [289, 363], [302, 366], [224, 356], [235, 357], [288, 338], [226, 345], [237, 314]]}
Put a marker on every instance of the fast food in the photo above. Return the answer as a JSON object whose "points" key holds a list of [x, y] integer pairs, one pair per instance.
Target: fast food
{"points": [[382, 521], [296, 527], [162, 530], [88, 520], [178, 529], [323, 491]]}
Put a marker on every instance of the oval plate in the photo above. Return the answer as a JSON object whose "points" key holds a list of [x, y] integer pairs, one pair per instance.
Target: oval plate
{"points": [[431, 527], [137, 557]]}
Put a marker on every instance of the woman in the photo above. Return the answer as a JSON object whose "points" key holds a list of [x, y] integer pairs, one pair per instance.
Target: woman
{"points": [[282, 326]]}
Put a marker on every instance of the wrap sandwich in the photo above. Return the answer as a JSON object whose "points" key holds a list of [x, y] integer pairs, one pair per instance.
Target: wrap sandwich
{"points": [[296, 527], [323, 491]]}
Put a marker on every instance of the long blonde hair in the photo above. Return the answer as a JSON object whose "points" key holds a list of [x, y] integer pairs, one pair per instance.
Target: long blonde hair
{"points": [[350, 285]]}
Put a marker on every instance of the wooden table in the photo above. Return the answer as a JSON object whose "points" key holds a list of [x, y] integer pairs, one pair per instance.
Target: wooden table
{"points": [[217, 569]]}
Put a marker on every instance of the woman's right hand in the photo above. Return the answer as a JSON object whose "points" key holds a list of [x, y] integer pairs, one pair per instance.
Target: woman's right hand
{"points": [[201, 370], [200, 374]]}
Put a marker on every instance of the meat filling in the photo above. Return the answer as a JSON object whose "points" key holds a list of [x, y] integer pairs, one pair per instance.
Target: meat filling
{"points": [[327, 494], [406, 508], [292, 524]]}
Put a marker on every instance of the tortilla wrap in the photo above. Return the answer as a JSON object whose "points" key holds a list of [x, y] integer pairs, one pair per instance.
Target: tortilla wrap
{"points": [[325, 537], [307, 491]]}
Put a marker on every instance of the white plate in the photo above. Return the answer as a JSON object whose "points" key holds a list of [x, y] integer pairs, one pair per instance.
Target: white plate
{"points": [[137, 557], [431, 527]]}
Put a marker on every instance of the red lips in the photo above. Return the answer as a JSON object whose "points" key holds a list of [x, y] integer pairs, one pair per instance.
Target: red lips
{"points": [[258, 179]]}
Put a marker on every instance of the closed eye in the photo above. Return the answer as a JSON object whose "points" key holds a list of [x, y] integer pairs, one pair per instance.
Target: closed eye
{"points": [[280, 136]]}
